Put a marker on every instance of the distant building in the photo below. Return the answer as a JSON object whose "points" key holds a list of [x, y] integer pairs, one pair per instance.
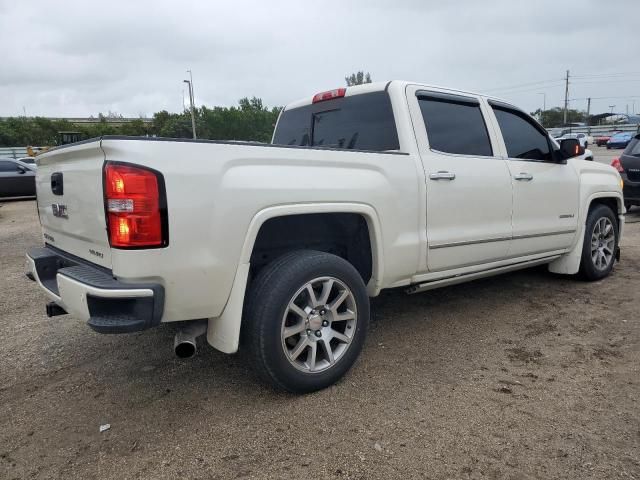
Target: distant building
{"points": [[614, 118]]}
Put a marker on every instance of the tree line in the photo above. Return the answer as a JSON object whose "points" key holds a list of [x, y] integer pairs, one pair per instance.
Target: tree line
{"points": [[250, 120]]}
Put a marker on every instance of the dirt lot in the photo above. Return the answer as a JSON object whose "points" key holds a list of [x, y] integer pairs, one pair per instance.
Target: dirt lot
{"points": [[528, 375]]}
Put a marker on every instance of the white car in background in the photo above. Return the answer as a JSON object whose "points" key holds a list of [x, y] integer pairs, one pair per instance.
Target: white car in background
{"points": [[587, 155], [583, 138], [28, 161]]}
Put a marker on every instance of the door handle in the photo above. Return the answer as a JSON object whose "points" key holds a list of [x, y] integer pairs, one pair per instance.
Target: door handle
{"points": [[524, 177], [442, 175]]}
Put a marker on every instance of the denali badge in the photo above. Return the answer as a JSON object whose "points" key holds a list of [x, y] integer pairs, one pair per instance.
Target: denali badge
{"points": [[59, 210]]}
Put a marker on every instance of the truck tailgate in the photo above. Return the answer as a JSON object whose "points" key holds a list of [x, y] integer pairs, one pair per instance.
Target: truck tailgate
{"points": [[70, 201]]}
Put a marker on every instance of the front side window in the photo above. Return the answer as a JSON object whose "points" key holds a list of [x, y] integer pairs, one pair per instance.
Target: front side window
{"points": [[454, 124], [521, 137]]}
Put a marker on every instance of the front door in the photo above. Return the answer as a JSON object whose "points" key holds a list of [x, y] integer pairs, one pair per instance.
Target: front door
{"points": [[545, 191], [468, 184]]}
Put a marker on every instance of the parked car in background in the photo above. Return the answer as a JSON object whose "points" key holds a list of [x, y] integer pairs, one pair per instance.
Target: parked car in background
{"points": [[581, 137], [620, 140], [629, 167], [16, 179], [601, 140], [29, 161], [587, 155]]}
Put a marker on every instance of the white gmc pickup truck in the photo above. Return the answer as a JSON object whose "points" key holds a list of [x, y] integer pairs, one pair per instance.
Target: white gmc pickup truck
{"points": [[276, 248]]}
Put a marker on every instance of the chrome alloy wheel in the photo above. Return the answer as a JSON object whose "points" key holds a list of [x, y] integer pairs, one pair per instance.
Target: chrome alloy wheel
{"points": [[319, 324], [602, 243]]}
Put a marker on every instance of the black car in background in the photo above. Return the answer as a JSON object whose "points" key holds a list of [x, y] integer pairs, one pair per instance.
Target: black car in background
{"points": [[16, 179], [629, 167]]}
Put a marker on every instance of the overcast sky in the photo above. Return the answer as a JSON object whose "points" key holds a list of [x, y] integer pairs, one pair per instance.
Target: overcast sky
{"points": [[78, 58]]}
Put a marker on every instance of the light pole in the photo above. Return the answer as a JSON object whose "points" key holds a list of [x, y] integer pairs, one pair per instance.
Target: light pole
{"points": [[544, 107], [193, 114]]}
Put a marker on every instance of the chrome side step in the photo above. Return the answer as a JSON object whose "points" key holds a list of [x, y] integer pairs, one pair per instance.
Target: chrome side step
{"points": [[461, 278]]}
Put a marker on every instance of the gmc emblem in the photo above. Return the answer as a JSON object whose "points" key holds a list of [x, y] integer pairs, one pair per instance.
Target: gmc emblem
{"points": [[59, 210]]}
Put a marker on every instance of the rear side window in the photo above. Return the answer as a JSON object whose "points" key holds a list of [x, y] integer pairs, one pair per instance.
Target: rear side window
{"points": [[454, 124], [358, 122], [521, 137], [634, 147]]}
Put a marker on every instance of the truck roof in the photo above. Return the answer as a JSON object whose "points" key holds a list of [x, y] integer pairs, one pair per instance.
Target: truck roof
{"points": [[379, 86]]}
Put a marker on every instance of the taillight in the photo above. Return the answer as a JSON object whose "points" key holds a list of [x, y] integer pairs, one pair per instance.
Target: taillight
{"points": [[615, 163], [135, 204], [331, 94]]}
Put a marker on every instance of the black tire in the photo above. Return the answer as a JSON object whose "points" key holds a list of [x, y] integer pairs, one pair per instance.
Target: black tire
{"points": [[588, 268], [267, 303]]}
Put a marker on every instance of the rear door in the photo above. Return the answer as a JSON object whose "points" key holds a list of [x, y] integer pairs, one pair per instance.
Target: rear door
{"points": [[545, 192], [468, 184], [71, 203]]}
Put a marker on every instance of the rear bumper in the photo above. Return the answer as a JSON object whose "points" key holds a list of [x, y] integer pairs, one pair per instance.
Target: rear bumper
{"points": [[90, 293]]}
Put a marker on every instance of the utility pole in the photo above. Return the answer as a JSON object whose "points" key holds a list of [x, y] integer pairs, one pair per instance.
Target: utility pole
{"points": [[588, 119], [193, 113], [566, 97]]}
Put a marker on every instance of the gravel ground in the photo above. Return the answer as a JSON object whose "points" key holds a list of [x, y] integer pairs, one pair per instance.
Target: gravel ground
{"points": [[527, 375]]}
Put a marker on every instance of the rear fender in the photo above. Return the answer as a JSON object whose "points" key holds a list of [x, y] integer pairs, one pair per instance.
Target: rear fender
{"points": [[223, 332]]}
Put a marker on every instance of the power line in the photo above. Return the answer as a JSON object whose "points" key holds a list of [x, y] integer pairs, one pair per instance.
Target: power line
{"points": [[531, 89], [600, 82], [604, 98], [600, 75], [512, 87]]}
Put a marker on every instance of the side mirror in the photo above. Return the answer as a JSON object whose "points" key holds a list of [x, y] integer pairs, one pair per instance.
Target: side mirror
{"points": [[21, 169], [570, 147]]}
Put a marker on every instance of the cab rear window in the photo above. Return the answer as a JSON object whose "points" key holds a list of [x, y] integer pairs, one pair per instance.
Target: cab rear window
{"points": [[358, 122]]}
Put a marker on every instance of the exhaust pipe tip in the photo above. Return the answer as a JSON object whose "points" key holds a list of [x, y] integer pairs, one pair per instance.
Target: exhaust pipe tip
{"points": [[185, 349], [184, 344]]}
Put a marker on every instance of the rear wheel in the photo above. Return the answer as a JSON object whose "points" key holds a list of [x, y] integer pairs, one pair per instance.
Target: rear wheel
{"points": [[600, 243], [307, 317]]}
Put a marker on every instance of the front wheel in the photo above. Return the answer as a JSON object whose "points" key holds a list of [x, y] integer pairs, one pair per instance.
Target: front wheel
{"points": [[600, 243], [306, 319]]}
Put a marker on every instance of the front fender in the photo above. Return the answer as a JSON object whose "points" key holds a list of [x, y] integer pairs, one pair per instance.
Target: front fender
{"points": [[569, 264]]}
